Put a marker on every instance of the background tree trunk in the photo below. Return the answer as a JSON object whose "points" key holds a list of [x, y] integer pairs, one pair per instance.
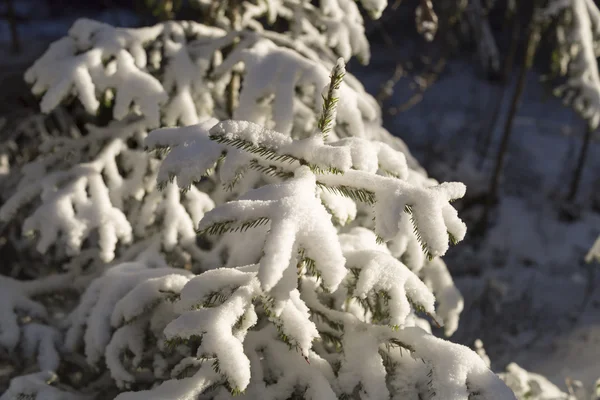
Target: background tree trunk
{"points": [[580, 164], [528, 56]]}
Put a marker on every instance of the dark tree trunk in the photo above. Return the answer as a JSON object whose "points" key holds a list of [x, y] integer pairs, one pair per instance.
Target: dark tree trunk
{"points": [[12, 22], [580, 164], [530, 48], [505, 78]]}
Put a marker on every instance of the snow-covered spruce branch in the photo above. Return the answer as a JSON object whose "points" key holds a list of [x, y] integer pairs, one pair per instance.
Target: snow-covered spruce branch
{"points": [[531, 386], [41, 385], [113, 194], [183, 76], [331, 25], [311, 304], [224, 335], [25, 323], [348, 167], [175, 64], [577, 55], [315, 311], [342, 301]]}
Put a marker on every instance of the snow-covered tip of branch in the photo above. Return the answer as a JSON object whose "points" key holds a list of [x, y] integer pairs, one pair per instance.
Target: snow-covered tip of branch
{"points": [[191, 154], [374, 7], [457, 372], [426, 20], [96, 57], [379, 272], [290, 71], [76, 202], [533, 386], [178, 389], [375, 360], [111, 67], [594, 252], [217, 308], [106, 304], [39, 386], [298, 222], [16, 296], [450, 302]]}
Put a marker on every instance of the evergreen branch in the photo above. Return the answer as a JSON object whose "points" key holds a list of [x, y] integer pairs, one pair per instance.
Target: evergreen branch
{"points": [[336, 366], [217, 368], [424, 245], [188, 371], [269, 154], [238, 324], [420, 309], [215, 298], [383, 301], [364, 303], [328, 114], [239, 174], [389, 173], [220, 228], [169, 297], [331, 339], [267, 303], [159, 151], [453, 239], [264, 152], [338, 326], [361, 195], [432, 392], [397, 343], [317, 170], [388, 362], [193, 340], [161, 185], [270, 170], [310, 267]]}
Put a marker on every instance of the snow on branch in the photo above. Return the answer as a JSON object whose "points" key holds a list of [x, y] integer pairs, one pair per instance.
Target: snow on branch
{"points": [[108, 198], [116, 312], [89, 63], [235, 338], [97, 62], [331, 25], [594, 253], [325, 297], [24, 322], [338, 169], [343, 304], [39, 385], [533, 386], [578, 58], [115, 68], [450, 302]]}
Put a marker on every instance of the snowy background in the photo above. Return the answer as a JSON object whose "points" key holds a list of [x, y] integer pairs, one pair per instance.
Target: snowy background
{"points": [[529, 296]]}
